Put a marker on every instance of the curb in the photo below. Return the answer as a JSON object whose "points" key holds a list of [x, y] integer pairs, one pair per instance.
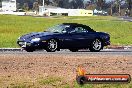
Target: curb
{"points": [[119, 47], [10, 49]]}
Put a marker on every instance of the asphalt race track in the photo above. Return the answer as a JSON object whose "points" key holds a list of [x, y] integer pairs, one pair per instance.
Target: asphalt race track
{"points": [[85, 52]]}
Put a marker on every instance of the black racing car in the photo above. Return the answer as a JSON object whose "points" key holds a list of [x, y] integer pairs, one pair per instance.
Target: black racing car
{"points": [[72, 36]]}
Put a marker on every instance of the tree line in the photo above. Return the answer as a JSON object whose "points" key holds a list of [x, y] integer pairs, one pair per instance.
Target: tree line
{"points": [[113, 7]]}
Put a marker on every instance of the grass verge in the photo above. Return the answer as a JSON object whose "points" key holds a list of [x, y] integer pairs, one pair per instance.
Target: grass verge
{"points": [[57, 82]]}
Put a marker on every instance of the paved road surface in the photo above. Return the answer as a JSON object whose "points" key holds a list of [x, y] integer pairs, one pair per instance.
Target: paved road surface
{"points": [[67, 52]]}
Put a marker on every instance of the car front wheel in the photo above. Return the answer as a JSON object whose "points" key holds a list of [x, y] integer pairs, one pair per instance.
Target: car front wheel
{"points": [[52, 45], [96, 45]]}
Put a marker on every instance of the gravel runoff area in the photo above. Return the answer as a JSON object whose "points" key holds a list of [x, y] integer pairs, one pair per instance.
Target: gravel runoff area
{"points": [[15, 68]]}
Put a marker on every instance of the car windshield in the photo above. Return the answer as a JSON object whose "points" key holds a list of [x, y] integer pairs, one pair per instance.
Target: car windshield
{"points": [[58, 28]]}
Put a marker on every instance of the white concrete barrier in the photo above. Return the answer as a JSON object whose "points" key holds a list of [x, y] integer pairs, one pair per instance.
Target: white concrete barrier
{"points": [[13, 13]]}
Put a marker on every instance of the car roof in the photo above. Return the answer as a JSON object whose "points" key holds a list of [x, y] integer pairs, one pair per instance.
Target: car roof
{"points": [[77, 24]]}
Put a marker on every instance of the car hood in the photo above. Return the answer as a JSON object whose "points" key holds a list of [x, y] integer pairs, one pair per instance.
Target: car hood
{"points": [[35, 35], [103, 33]]}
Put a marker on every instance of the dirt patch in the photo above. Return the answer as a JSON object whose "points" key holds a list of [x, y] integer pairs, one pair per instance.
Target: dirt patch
{"points": [[19, 67]]}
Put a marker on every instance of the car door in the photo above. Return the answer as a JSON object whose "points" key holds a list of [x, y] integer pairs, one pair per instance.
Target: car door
{"points": [[72, 38], [82, 37], [66, 39], [77, 37]]}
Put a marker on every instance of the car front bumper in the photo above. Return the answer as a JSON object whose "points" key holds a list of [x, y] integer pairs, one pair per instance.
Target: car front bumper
{"points": [[106, 43], [35, 45]]}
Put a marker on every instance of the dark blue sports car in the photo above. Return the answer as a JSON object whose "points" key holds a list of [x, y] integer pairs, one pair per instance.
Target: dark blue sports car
{"points": [[70, 36]]}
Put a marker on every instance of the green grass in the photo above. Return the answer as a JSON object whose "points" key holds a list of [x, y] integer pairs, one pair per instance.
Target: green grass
{"points": [[11, 27], [23, 85], [50, 80], [103, 85], [57, 82]]}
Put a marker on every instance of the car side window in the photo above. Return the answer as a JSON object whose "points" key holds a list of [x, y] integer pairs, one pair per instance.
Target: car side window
{"points": [[80, 30]]}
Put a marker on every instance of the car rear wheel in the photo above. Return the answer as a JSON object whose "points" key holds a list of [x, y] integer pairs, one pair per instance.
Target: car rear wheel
{"points": [[96, 45], [73, 50], [52, 45]]}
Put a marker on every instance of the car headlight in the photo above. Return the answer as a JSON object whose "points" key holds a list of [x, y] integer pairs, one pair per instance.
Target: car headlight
{"points": [[35, 40]]}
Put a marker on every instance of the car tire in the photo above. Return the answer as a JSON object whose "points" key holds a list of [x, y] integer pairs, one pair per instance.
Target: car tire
{"points": [[52, 45], [29, 49], [96, 45], [73, 50]]}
